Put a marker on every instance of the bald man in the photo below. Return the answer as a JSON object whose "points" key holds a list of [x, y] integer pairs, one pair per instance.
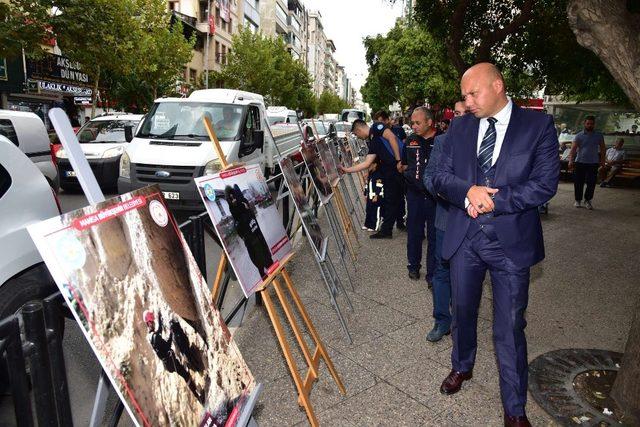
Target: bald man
{"points": [[498, 164]]}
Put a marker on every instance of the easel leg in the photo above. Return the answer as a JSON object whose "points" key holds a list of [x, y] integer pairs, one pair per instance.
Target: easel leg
{"points": [[345, 224], [302, 396], [222, 265], [341, 239], [332, 270], [312, 331], [345, 214]]}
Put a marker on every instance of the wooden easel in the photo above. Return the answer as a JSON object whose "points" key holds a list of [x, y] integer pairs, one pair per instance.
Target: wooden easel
{"points": [[319, 353]]}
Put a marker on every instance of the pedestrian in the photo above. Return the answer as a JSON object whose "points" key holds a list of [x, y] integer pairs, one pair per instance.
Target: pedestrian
{"points": [[374, 193], [383, 150], [421, 206], [615, 159], [383, 117], [494, 183], [587, 155], [441, 275]]}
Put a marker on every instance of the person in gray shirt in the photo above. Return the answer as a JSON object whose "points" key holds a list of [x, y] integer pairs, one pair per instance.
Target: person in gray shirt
{"points": [[587, 155]]}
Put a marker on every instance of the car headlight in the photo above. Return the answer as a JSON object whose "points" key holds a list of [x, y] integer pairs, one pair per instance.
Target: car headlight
{"points": [[212, 167], [61, 154], [125, 166], [112, 152]]}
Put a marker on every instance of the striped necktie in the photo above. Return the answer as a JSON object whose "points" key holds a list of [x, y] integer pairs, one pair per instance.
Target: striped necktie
{"points": [[485, 155]]}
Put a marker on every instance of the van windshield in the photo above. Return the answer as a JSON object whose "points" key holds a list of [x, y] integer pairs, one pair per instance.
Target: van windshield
{"points": [[184, 120], [104, 131]]}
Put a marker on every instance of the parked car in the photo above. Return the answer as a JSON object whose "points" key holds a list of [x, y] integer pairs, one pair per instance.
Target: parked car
{"points": [[27, 132], [343, 130], [103, 140], [351, 114], [281, 115], [25, 198]]}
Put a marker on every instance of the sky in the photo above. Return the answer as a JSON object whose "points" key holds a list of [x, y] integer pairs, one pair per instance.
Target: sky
{"points": [[348, 22]]}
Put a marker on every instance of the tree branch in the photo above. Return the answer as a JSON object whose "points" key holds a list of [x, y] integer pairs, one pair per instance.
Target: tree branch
{"points": [[483, 54], [456, 23]]}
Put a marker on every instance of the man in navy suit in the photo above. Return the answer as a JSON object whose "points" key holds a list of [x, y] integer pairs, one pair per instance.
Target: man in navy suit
{"points": [[498, 165]]}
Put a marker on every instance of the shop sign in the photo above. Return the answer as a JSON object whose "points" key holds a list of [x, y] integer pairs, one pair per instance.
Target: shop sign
{"points": [[59, 69], [63, 88], [3, 69]]}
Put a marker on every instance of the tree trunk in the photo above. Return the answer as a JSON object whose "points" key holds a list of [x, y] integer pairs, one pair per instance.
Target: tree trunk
{"points": [[94, 93], [608, 29], [626, 388]]}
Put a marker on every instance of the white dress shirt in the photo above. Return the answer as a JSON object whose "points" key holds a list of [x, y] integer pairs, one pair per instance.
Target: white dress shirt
{"points": [[502, 122]]}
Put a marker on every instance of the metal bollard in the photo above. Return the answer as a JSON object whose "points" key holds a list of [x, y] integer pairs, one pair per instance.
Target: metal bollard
{"points": [[10, 330], [55, 322], [38, 356]]}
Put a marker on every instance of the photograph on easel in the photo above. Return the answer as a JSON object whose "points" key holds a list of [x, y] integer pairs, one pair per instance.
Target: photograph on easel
{"points": [[328, 162], [309, 221], [245, 216], [132, 284], [346, 158], [317, 172]]}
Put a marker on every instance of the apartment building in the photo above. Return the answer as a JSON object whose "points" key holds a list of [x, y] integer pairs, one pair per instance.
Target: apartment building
{"points": [[316, 49]]}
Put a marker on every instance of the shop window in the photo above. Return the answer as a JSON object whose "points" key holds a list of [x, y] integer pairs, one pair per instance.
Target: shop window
{"points": [[7, 129]]}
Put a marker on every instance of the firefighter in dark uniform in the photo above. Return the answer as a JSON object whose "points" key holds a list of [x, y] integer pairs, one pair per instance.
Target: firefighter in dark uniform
{"points": [[384, 150], [382, 116], [421, 206], [248, 229]]}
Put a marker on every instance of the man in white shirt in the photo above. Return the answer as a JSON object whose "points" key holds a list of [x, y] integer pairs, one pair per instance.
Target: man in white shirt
{"points": [[614, 160]]}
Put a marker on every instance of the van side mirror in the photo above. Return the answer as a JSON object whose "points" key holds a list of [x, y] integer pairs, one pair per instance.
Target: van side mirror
{"points": [[128, 133]]}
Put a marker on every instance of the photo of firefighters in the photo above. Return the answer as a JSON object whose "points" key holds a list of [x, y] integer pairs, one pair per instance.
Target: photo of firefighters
{"points": [[245, 217], [328, 162], [317, 172], [136, 291], [309, 221], [346, 157]]}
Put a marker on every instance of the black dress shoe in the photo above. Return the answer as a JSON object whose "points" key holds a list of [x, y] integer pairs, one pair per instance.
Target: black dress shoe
{"points": [[454, 380], [381, 235], [414, 274], [510, 421]]}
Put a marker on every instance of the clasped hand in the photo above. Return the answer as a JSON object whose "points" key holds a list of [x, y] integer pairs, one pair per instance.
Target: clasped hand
{"points": [[480, 200]]}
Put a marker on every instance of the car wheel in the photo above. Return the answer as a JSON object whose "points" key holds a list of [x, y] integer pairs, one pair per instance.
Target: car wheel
{"points": [[34, 284]]}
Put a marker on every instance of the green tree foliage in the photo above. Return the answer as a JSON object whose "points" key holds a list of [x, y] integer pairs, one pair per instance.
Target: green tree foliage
{"points": [[24, 24], [162, 52], [409, 66], [530, 40], [262, 65], [330, 103]]}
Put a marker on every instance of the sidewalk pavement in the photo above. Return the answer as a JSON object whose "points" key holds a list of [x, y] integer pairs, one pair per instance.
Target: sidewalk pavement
{"points": [[581, 296]]}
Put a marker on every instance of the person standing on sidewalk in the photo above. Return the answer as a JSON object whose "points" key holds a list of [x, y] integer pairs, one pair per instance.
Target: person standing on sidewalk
{"points": [[421, 205], [590, 149], [494, 180], [383, 150], [441, 275]]}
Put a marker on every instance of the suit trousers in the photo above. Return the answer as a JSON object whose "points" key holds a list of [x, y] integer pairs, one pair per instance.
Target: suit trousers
{"points": [[510, 285]]}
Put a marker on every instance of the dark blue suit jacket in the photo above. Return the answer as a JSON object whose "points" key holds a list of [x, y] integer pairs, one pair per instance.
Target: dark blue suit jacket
{"points": [[527, 173]]}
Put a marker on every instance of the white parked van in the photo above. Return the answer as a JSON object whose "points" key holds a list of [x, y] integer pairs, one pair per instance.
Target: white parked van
{"points": [[281, 115], [27, 132], [171, 146]]}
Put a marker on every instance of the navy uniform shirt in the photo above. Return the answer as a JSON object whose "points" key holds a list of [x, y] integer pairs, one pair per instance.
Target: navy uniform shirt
{"points": [[416, 156], [399, 132], [384, 156]]}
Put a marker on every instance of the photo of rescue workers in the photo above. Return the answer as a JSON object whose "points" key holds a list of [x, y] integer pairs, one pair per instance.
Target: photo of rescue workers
{"points": [[135, 289], [246, 219], [346, 157], [309, 221], [328, 162], [317, 172]]}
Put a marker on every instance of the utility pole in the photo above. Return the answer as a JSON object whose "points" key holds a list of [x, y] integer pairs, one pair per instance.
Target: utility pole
{"points": [[206, 46]]}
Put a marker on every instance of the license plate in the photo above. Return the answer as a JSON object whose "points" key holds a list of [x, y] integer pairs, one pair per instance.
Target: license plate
{"points": [[171, 195], [70, 173]]}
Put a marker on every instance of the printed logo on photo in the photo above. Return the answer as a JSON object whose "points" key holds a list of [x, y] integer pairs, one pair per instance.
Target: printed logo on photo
{"points": [[72, 253], [158, 213], [210, 192]]}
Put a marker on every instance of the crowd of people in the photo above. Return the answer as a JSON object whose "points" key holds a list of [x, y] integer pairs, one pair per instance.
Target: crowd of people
{"points": [[472, 189]]}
